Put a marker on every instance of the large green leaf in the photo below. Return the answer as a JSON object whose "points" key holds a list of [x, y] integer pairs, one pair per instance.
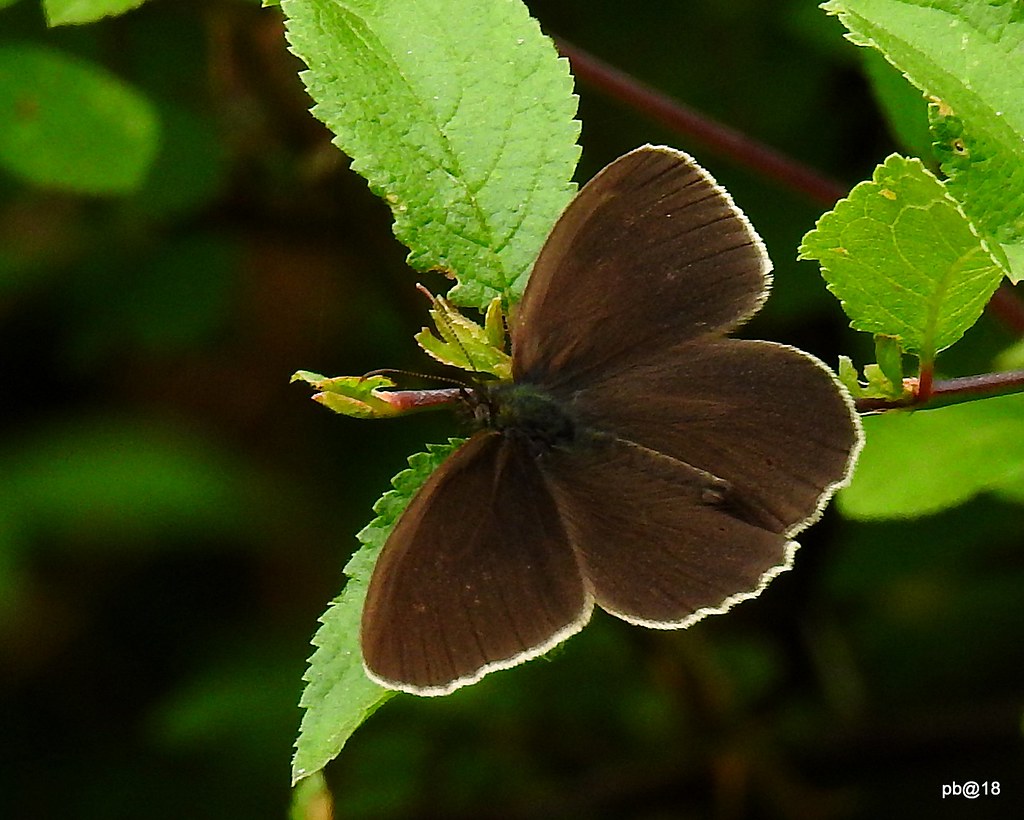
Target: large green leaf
{"points": [[920, 462], [459, 115], [969, 55], [903, 258], [339, 696]]}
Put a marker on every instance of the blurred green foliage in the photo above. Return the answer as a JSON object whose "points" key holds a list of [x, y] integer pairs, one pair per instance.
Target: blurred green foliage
{"points": [[70, 124], [174, 515]]}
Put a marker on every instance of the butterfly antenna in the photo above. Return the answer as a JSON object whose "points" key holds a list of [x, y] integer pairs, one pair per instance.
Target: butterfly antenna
{"points": [[442, 317], [386, 371]]}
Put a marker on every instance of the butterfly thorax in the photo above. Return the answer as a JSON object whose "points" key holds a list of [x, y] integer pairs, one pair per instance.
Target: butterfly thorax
{"points": [[527, 412]]}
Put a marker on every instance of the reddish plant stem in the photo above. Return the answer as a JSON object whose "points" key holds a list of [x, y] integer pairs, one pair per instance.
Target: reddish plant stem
{"points": [[950, 391], [924, 382], [1010, 381], [716, 136], [406, 401]]}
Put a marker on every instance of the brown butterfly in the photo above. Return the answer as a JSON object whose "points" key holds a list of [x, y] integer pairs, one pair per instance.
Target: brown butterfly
{"points": [[640, 459]]}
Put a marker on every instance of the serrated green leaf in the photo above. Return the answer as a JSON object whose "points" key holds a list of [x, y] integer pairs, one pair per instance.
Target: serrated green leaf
{"points": [[354, 396], [903, 259], [890, 361], [879, 385], [494, 325], [876, 384], [969, 54], [69, 124], [1014, 252], [984, 183], [66, 12], [459, 114], [464, 343], [915, 463], [849, 376], [338, 696]]}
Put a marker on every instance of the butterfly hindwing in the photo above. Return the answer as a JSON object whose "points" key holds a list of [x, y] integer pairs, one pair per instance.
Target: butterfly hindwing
{"points": [[477, 574], [660, 543], [767, 418]]}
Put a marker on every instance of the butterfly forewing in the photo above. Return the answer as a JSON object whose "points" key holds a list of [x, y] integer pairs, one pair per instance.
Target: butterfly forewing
{"points": [[651, 251], [477, 575]]}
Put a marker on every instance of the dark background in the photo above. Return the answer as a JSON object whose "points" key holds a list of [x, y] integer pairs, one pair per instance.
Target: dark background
{"points": [[174, 515]]}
